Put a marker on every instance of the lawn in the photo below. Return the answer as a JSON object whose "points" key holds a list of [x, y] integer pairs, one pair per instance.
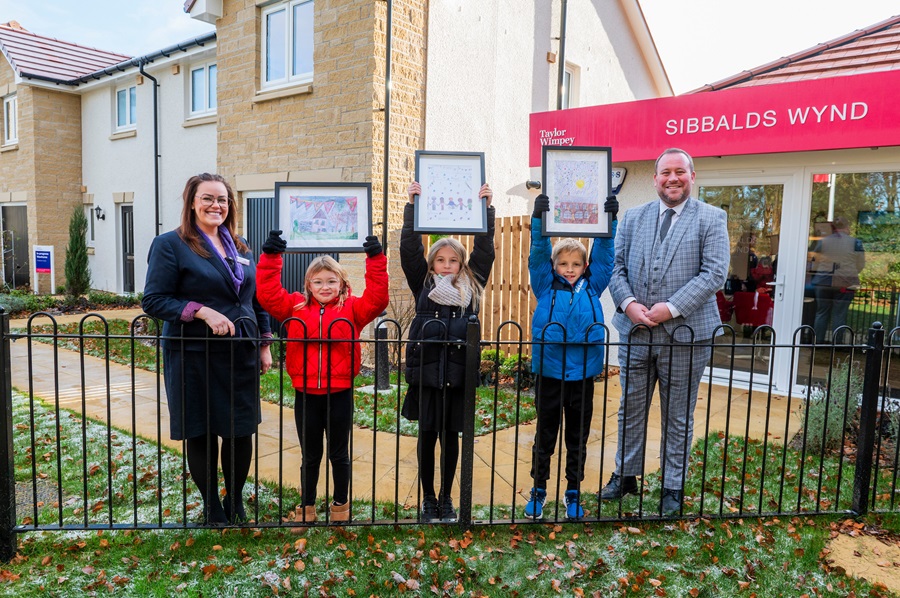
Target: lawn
{"points": [[697, 557], [495, 406]]}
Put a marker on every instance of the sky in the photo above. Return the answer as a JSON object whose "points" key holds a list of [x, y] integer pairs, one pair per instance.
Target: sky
{"points": [[700, 41]]}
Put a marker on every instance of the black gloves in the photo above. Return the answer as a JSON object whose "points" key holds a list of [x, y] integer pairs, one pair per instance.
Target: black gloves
{"points": [[541, 205], [612, 206], [274, 244], [372, 246]]}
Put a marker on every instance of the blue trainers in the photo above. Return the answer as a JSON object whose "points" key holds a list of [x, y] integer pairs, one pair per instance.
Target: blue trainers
{"points": [[534, 508], [573, 505]]}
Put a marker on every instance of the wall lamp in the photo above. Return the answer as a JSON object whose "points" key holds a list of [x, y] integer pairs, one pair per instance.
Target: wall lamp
{"points": [[99, 212], [532, 184]]}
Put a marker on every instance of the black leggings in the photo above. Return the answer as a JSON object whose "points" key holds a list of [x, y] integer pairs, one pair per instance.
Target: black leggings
{"points": [[203, 462], [449, 457], [331, 415]]}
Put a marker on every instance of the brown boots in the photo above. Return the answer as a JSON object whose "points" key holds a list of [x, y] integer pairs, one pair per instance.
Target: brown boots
{"points": [[305, 514], [340, 513]]}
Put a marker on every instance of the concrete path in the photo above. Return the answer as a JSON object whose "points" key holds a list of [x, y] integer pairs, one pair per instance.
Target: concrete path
{"points": [[134, 400]]}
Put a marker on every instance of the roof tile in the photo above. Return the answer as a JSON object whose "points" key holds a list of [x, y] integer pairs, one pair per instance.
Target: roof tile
{"points": [[32, 54]]}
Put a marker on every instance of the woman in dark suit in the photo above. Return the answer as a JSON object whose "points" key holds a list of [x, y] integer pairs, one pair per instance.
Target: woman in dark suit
{"points": [[201, 281]]}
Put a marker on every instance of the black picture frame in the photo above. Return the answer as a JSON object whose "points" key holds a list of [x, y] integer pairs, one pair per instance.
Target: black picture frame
{"points": [[324, 217], [577, 179], [449, 203]]}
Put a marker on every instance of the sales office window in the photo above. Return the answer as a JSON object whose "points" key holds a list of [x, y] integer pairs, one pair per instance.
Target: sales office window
{"points": [[126, 107], [90, 216], [203, 89], [10, 120], [287, 43]]}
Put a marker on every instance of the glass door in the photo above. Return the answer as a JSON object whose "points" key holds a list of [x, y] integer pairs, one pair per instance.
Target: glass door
{"points": [[750, 298]]}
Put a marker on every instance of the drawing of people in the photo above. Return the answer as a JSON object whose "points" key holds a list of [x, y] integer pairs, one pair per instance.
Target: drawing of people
{"points": [[442, 204], [451, 204]]}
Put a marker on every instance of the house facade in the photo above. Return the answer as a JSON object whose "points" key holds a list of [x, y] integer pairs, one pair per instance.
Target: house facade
{"points": [[294, 90]]}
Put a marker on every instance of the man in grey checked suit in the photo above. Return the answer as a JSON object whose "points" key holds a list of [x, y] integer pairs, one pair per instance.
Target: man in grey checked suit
{"points": [[671, 257]]}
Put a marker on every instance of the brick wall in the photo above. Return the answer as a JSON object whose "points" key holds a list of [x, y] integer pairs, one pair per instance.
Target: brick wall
{"points": [[56, 131]]}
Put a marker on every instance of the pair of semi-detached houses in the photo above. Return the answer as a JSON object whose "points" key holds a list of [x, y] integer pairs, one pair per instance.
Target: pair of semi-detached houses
{"points": [[289, 90]]}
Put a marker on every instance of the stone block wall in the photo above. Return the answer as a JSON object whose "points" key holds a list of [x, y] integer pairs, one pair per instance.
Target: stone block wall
{"points": [[56, 131]]}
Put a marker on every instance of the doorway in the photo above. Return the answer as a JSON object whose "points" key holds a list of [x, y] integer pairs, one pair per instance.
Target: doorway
{"points": [[14, 238], [127, 218], [748, 301]]}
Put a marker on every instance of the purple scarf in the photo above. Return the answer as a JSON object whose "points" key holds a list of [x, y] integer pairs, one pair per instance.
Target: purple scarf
{"points": [[235, 270]]}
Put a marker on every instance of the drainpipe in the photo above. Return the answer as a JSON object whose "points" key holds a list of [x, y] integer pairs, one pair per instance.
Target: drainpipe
{"points": [[561, 72], [387, 130], [155, 141]]}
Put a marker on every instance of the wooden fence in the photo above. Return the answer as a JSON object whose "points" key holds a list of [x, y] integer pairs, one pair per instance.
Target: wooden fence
{"points": [[507, 294]]}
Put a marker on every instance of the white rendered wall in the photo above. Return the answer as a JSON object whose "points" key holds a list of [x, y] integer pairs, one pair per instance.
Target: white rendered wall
{"points": [[488, 71], [127, 165]]}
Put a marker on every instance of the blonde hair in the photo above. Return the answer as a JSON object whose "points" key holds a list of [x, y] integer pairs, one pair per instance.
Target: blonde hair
{"points": [[325, 263], [565, 246], [464, 268]]}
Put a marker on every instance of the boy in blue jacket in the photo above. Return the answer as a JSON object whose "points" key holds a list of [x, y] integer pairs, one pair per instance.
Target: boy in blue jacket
{"points": [[568, 334]]}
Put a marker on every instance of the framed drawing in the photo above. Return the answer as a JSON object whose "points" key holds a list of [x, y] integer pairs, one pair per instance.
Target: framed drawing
{"points": [[577, 180], [324, 217], [449, 203]]}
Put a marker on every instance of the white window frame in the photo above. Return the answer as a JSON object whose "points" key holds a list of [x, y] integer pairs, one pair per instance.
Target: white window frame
{"points": [[130, 92], [571, 81], [91, 233], [209, 100], [10, 120], [289, 78]]}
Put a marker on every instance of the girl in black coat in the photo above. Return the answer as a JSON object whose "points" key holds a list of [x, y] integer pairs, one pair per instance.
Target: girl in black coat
{"points": [[447, 289]]}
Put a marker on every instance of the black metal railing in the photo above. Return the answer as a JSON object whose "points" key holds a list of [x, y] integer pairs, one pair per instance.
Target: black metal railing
{"points": [[85, 444]]}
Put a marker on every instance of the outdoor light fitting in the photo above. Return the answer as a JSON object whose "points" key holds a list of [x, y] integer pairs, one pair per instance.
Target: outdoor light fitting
{"points": [[99, 212]]}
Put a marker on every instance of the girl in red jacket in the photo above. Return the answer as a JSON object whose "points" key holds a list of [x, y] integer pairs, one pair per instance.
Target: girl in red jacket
{"points": [[322, 373]]}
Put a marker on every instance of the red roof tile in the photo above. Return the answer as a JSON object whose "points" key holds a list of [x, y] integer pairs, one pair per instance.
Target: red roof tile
{"points": [[875, 48], [31, 54]]}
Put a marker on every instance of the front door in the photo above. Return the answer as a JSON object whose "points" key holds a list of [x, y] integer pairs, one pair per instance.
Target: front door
{"points": [[751, 298], [127, 214], [14, 238]]}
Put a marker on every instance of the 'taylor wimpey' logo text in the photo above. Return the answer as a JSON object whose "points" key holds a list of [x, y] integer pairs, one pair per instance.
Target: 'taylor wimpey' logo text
{"points": [[769, 118], [555, 136]]}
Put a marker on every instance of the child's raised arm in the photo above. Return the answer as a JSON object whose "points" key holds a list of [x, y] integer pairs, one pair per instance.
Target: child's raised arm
{"points": [[481, 260], [412, 251], [269, 292], [374, 299]]}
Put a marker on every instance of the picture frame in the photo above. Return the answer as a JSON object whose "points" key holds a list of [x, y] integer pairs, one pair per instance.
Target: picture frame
{"points": [[324, 217], [577, 180], [449, 203]]}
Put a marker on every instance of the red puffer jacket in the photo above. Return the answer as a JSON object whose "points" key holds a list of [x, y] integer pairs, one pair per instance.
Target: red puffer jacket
{"points": [[316, 368]]}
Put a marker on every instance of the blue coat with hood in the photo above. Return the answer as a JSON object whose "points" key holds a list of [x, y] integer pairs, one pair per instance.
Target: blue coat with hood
{"points": [[568, 312]]}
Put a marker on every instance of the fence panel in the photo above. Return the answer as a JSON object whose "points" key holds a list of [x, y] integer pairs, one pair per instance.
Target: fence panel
{"points": [[87, 441]]}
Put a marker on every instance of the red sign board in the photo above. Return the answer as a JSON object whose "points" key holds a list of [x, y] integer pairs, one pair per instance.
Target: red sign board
{"points": [[820, 114]]}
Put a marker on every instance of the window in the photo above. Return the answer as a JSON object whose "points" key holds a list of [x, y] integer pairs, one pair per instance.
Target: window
{"points": [[287, 43], [570, 86], [10, 120], [126, 107], [203, 89], [91, 219]]}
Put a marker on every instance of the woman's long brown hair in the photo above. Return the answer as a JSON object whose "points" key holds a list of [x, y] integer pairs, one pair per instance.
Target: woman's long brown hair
{"points": [[188, 230]]}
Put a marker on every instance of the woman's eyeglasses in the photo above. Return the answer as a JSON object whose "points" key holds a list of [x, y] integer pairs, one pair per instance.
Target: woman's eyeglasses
{"points": [[208, 200]]}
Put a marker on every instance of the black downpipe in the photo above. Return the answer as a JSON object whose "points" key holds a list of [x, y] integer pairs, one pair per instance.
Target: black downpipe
{"points": [[155, 142], [387, 131], [561, 71]]}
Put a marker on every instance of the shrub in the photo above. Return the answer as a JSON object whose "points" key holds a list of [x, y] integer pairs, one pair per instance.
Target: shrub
{"points": [[78, 274], [519, 369], [107, 299], [12, 304], [832, 411]]}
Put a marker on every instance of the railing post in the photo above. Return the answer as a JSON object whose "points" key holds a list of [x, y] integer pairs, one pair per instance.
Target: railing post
{"points": [[473, 361], [382, 364], [7, 462], [865, 441]]}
